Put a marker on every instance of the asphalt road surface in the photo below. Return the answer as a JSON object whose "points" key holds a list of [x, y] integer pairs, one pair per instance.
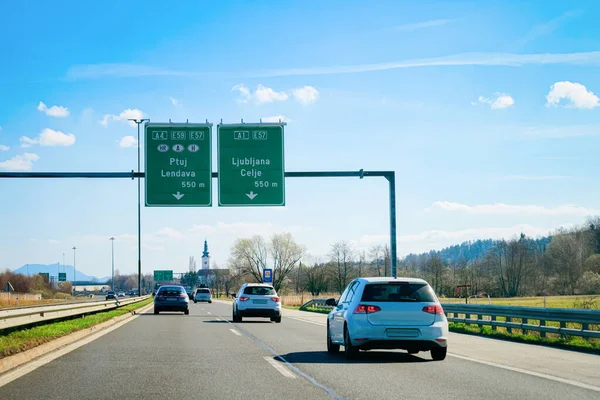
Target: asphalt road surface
{"points": [[204, 355]]}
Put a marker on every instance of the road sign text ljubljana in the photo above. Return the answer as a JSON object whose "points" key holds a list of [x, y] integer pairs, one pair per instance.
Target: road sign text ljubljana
{"points": [[178, 165], [251, 165]]}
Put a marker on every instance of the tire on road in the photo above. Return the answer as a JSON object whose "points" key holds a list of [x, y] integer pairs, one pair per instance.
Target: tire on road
{"points": [[331, 347], [439, 353], [350, 351]]}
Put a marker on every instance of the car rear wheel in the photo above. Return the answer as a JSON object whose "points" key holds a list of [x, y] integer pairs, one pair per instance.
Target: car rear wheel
{"points": [[331, 348], [155, 311], [439, 354], [349, 350], [187, 312], [195, 301]]}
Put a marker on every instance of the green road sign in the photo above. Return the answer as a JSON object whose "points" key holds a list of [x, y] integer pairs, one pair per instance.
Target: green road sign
{"points": [[178, 165], [62, 276], [251, 165], [163, 275]]}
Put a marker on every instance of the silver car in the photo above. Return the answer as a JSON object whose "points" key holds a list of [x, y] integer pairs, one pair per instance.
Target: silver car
{"points": [[202, 294]]}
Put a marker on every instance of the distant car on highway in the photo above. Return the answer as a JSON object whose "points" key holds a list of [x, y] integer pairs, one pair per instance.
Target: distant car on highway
{"points": [[202, 294], [121, 293], [257, 300], [171, 298], [111, 295], [387, 313]]}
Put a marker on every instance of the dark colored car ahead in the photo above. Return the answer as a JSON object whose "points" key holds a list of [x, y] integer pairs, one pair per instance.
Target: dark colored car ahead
{"points": [[171, 298], [111, 295]]}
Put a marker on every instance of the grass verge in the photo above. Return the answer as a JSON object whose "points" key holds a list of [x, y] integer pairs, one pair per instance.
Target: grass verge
{"points": [[568, 342], [25, 339]]}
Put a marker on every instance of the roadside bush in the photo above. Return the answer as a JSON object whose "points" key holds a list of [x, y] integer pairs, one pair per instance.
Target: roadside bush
{"points": [[62, 296]]}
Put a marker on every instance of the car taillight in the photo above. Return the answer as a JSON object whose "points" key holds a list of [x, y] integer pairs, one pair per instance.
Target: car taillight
{"points": [[276, 299], [433, 309], [366, 309], [244, 298], [183, 295]]}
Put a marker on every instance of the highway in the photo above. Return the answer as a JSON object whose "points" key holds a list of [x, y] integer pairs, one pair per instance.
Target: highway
{"points": [[204, 355]]}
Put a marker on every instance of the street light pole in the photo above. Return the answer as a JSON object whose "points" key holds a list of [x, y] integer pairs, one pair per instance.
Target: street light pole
{"points": [[138, 122], [112, 239], [74, 270]]}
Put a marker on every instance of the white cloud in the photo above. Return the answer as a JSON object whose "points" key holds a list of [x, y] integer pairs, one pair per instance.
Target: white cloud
{"points": [[128, 141], [54, 111], [306, 95], [498, 101], [169, 232], [27, 141], [267, 95], [124, 116], [438, 239], [576, 95], [533, 177], [174, 101], [425, 24], [506, 209], [4, 148], [23, 162], [49, 137], [263, 94], [496, 59], [276, 118]]}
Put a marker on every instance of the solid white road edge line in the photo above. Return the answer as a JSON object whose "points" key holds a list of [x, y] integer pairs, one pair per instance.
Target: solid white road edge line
{"points": [[280, 367], [507, 367], [524, 371], [235, 332], [45, 359]]}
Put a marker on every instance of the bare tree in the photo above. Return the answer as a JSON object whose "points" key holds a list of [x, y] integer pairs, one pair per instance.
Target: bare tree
{"points": [[316, 279], [375, 252], [249, 257], [192, 265], [387, 260], [286, 253], [362, 259], [341, 255]]}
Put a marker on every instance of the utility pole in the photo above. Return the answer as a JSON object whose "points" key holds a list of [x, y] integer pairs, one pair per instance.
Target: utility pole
{"points": [[139, 122], [74, 270], [112, 239]]}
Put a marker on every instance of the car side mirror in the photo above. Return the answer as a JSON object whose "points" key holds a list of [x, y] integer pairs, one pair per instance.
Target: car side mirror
{"points": [[233, 295], [331, 302]]}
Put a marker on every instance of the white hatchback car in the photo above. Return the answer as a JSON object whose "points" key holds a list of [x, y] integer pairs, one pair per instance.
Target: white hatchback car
{"points": [[257, 300], [387, 313]]}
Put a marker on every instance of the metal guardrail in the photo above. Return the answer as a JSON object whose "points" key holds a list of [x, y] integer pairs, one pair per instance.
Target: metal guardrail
{"points": [[318, 302], [487, 315], [10, 318]]}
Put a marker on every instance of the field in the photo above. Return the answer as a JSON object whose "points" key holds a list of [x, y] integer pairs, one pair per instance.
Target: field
{"points": [[583, 301], [21, 339]]}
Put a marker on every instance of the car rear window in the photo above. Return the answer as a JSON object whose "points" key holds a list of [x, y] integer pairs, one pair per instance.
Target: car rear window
{"points": [[397, 293], [260, 290], [203, 291], [173, 291]]}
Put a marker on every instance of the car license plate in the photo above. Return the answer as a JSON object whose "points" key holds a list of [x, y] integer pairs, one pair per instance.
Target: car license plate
{"points": [[259, 301], [171, 299], [402, 332]]}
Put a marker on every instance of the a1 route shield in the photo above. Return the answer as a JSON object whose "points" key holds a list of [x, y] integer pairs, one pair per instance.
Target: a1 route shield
{"points": [[178, 165], [251, 165]]}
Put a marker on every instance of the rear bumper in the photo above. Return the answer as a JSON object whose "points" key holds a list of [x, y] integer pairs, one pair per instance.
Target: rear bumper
{"points": [[393, 344], [202, 298], [175, 306], [367, 336], [260, 312]]}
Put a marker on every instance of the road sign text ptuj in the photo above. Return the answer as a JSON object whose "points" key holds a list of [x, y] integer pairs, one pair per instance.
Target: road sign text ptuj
{"points": [[178, 165], [62, 276], [251, 164], [163, 275]]}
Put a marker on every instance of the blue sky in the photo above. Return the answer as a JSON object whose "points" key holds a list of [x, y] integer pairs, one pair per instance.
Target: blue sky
{"points": [[486, 111]]}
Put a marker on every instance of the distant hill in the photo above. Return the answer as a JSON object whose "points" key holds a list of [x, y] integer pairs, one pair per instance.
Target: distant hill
{"points": [[52, 269], [469, 251]]}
